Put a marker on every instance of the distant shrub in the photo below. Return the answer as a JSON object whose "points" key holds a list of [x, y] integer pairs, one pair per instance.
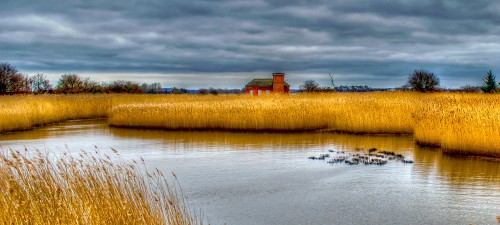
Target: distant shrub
{"points": [[470, 89], [310, 86], [423, 81]]}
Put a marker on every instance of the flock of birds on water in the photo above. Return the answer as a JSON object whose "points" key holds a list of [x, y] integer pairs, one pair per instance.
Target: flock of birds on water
{"points": [[373, 157]]}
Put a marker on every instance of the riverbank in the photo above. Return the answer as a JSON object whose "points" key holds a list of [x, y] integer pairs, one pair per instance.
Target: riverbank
{"points": [[464, 124]]}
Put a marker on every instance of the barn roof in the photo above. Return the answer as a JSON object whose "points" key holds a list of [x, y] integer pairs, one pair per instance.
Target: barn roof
{"points": [[262, 83]]}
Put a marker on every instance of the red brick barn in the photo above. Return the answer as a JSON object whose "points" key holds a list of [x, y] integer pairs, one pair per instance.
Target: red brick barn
{"points": [[267, 86]]}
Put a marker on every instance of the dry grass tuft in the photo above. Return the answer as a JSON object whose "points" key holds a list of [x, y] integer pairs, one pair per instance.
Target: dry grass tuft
{"points": [[85, 189]]}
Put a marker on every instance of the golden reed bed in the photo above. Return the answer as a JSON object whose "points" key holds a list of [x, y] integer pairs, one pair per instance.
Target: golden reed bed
{"points": [[459, 123], [86, 189]]}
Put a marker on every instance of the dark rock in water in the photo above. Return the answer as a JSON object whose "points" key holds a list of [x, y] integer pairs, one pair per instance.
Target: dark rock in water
{"points": [[387, 153], [352, 162], [320, 157], [370, 158], [337, 159], [323, 156]]}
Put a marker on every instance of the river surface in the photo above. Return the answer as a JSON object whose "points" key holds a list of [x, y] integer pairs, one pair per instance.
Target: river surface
{"points": [[266, 178]]}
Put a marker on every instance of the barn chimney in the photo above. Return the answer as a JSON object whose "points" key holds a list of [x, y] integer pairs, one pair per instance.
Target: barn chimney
{"points": [[278, 83]]}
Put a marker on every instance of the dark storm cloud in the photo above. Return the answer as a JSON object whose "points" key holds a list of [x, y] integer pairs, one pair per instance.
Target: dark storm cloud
{"points": [[364, 42]]}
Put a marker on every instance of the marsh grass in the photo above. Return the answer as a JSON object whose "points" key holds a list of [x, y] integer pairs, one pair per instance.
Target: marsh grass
{"points": [[23, 112], [459, 123], [357, 113], [86, 189]]}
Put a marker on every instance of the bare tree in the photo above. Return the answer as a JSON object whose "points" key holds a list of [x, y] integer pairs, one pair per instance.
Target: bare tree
{"points": [[203, 91], [145, 87], [123, 86], [6, 73], [39, 83], [70, 83], [18, 83], [310, 86], [331, 79], [423, 81], [47, 87], [90, 86], [155, 88]]}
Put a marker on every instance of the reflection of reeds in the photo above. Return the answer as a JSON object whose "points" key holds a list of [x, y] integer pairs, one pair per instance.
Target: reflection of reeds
{"points": [[89, 189], [459, 170], [280, 142]]}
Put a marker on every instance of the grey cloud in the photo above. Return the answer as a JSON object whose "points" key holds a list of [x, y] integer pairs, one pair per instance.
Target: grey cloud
{"points": [[377, 43]]}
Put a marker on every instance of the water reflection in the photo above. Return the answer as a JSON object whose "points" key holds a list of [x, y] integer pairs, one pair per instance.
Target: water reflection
{"points": [[430, 160], [458, 170], [273, 141], [266, 178], [74, 127]]}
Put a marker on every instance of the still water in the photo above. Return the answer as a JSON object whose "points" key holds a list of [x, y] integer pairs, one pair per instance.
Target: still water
{"points": [[266, 178]]}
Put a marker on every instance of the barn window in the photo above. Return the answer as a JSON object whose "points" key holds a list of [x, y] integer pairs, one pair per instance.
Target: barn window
{"points": [[251, 92], [268, 91], [260, 92]]}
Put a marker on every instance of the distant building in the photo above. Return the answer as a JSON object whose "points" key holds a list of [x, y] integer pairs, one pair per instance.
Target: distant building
{"points": [[267, 86]]}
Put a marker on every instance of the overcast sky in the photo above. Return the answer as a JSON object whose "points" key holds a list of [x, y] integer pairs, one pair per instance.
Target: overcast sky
{"points": [[226, 43]]}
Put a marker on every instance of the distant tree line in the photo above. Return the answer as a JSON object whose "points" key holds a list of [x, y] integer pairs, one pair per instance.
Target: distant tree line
{"points": [[74, 84], [420, 81], [313, 86], [215, 91], [425, 81], [13, 82]]}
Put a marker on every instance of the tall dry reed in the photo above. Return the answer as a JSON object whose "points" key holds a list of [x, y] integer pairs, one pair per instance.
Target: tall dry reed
{"points": [[359, 113], [22, 112], [85, 189], [460, 123]]}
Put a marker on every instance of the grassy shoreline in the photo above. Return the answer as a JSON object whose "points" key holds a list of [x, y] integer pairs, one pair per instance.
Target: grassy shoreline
{"points": [[463, 124], [87, 189], [23, 112]]}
